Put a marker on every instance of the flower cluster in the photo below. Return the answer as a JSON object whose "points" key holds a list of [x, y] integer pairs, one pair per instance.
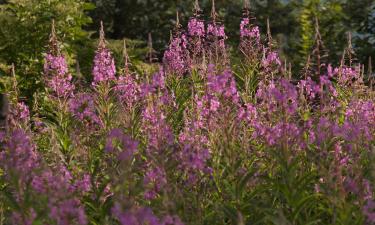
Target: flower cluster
{"points": [[196, 28], [271, 61], [176, 57], [142, 215], [121, 145], [58, 77], [21, 112], [104, 66], [82, 107], [127, 90], [247, 31], [33, 179], [200, 140]]}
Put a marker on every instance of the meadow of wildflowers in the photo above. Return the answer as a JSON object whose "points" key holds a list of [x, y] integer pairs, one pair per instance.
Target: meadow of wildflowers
{"points": [[197, 139]]}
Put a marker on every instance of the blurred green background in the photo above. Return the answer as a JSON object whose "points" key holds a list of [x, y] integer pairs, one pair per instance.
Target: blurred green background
{"points": [[25, 26]]}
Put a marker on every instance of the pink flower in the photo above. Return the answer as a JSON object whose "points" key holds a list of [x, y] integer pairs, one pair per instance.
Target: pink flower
{"points": [[104, 66], [58, 77]]}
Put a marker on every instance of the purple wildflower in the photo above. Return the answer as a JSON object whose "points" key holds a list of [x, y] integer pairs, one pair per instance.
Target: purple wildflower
{"points": [[216, 41], [196, 27], [63, 203], [248, 31], [154, 121], [281, 96], [175, 58], [345, 75], [359, 124], [120, 144], [58, 77], [104, 65], [21, 112], [26, 218], [196, 35], [310, 88], [127, 90], [223, 85], [82, 108], [154, 181], [271, 61], [369, 211], [195, 152], [141, 215], [63, 212], [156, 128], [19, 158]]}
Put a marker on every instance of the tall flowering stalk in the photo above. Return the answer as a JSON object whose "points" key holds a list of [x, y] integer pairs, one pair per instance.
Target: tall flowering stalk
{"points": [[158, 133], [104, 79], [16, 112], [58, 78], [250, 44], [279, 100], [60, 89], [104, 69], [127, 89], [196, 35], [271, 63], [20, 115], [216, 37], [195, 151], [176, 57]]}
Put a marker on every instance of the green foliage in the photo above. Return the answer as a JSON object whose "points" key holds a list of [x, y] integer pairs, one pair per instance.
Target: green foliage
{"points": [[24, 34]]}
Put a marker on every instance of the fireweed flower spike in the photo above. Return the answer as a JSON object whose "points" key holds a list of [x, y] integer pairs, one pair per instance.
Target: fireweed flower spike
{"points": [[195, 151], [126, 59], [176, 57], [196, 34], [271, 62], [104, 65], [127, 89], [216, 39], [120, 145], [20, 113], [59, 80], [250, 44], [158, 133], [247, 30], [83, 109]]}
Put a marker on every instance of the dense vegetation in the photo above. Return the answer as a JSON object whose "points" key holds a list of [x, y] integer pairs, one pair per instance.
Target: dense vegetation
{"points": [[208, 134]]}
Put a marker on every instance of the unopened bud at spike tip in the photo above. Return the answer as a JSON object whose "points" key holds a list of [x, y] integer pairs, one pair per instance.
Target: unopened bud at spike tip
{"points": [[53, 31], [125, 56], [246, 9], [177, 19], [213, 11], [101, 36], [246, 4], [269, 35], [53, 45], [197, 9], [150, 48]]}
